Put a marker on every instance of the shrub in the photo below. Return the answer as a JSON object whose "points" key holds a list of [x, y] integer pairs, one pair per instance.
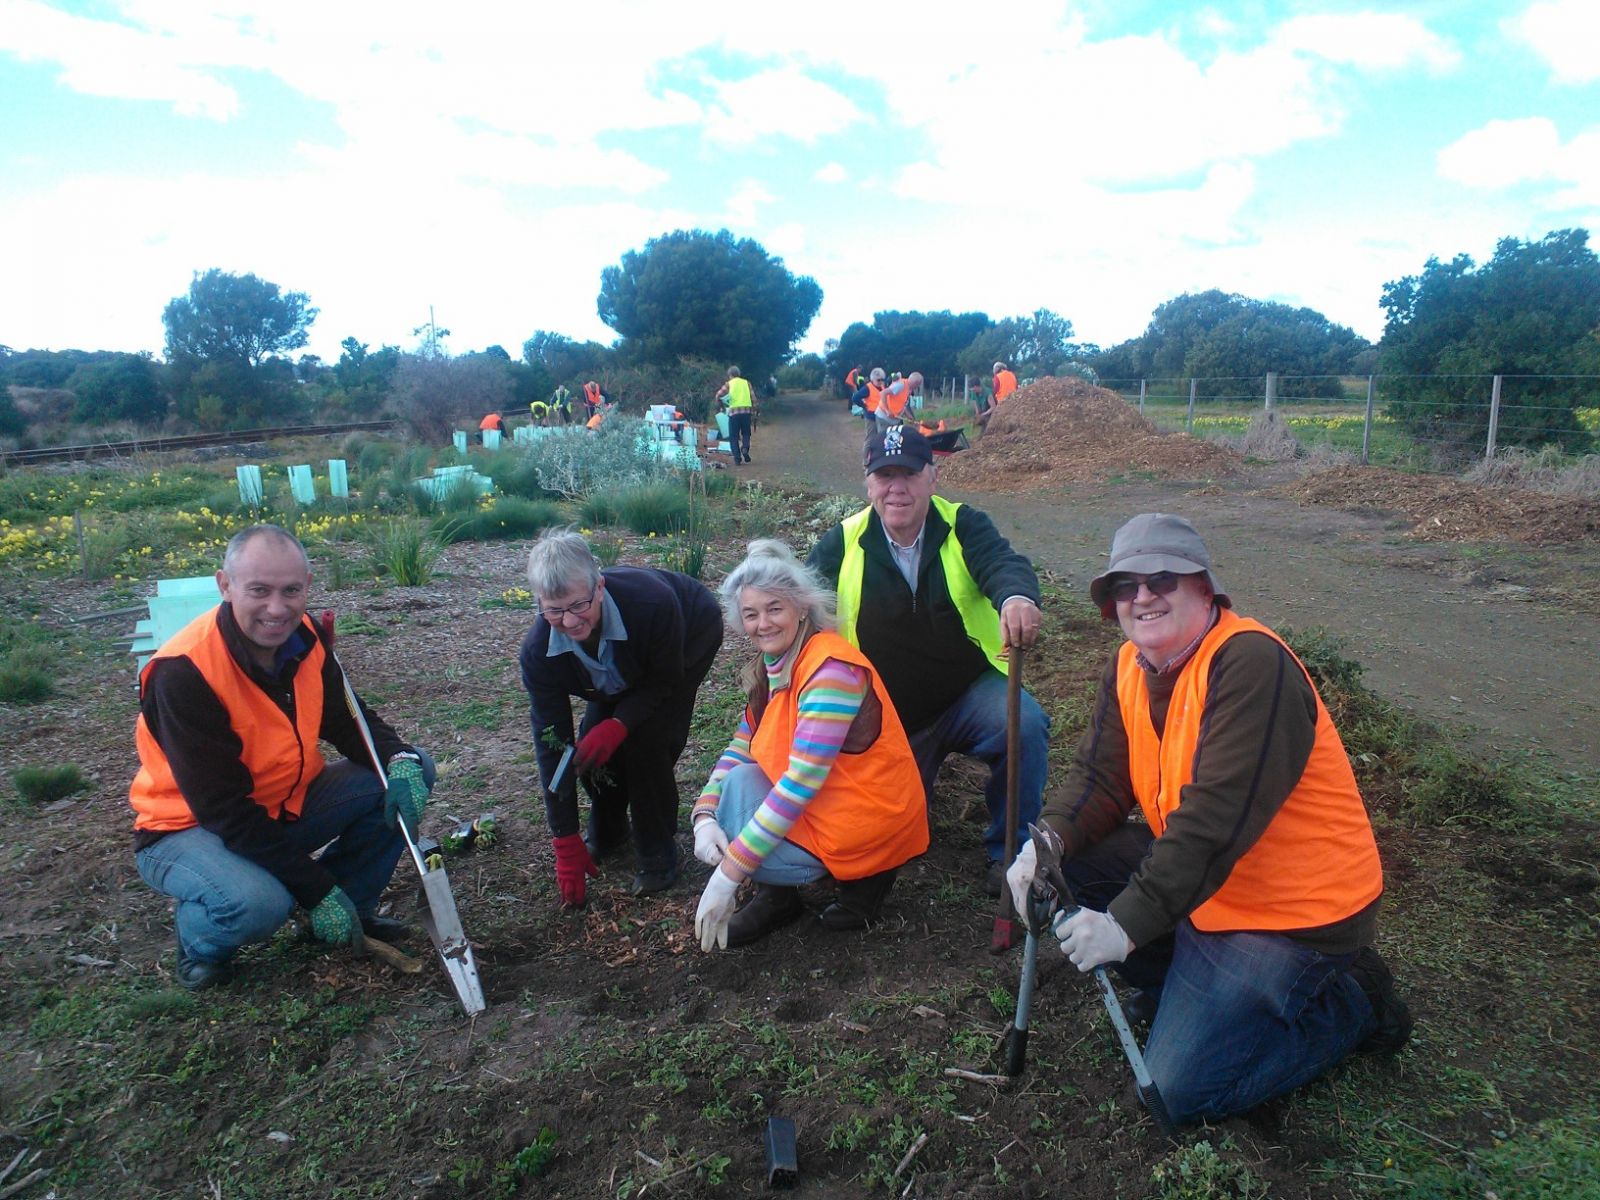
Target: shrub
{"points": [[25, 680], [599, 509], [508, 518], [406, 549], [660, 508], [577, 462], [607, 549], [1269, 438], [45, 785]]}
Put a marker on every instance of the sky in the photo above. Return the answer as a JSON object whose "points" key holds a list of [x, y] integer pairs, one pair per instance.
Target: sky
{"points": [[485, 161]]}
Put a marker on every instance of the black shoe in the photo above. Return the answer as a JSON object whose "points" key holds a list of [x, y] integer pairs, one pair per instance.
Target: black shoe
{"points": [[856, 902], [994, 878], [1140, 1007], [1394, 1018], [607, 843], [387, 929], [196, 976], [772, 907], [654, 879]]}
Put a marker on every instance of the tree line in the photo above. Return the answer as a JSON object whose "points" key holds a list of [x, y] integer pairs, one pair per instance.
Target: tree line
{"points": [[689, 303]]}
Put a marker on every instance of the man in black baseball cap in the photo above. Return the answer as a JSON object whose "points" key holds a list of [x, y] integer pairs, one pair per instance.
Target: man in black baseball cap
{"points": [[934, 596]]}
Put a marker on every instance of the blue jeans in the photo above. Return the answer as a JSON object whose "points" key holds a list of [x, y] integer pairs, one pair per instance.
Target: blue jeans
{"points": [[1243, 1017], [976, 725], [743, 790], [225, 901]]}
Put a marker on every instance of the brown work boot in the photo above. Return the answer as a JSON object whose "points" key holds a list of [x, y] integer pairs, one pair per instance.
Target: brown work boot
{"points": [[772, 907], [856, 902]]}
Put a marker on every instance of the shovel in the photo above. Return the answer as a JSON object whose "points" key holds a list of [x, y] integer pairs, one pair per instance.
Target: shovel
{"points": [[439, 915], [1005, 927]]}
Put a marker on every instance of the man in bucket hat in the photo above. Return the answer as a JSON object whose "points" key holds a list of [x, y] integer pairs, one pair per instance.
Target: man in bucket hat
{"points": [[1244, 906], [934, 596]]}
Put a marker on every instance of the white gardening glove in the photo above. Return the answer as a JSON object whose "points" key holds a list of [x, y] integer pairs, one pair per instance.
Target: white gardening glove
{"points": [[710, 843], [1019, 876], [1091, 939], [716, 908]]}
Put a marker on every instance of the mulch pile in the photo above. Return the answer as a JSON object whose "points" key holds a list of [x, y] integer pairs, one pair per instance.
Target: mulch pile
{"points": [[1062, 431], [1442, 509]]}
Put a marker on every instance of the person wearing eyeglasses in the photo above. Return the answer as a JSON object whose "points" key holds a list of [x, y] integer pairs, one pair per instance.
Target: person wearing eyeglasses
{"points": [[1245, 903], [635, 643]]}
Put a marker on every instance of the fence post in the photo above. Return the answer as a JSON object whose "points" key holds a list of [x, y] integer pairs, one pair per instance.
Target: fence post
{"points": [[1366, 429], [1272, 388], [1188, 424], [1141, 397], [1494, 417]]}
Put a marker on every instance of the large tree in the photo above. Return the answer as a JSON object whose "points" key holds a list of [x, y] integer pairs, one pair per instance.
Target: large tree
{"points": [[125, 387], [235, 316], [1533, 311], [692, 293], [929, 342], [1222, 339]]}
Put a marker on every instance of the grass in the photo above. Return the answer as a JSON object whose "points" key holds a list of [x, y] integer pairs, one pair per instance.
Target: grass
{"points": [[45, 785], [407, 550], [654, 508]]}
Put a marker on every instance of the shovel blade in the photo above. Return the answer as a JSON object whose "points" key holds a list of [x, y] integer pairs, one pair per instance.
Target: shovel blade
{"points": [[443, 924]]}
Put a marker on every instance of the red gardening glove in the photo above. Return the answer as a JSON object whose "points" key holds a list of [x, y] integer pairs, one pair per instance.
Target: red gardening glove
{"points": [[596, 747], [573, 864]]}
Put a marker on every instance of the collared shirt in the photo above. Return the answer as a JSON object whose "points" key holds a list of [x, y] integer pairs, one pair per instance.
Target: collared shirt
{"points": [[1175, 663], [602, 667], [907, 558]]}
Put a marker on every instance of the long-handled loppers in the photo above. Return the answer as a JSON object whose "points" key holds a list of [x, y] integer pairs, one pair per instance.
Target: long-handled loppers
{"points": [[1050, 903]]}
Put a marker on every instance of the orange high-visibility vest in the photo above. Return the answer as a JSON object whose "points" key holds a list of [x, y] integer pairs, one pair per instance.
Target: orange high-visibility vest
{"points": [[895, 397], [1004, 384], [874, 391], [591, 395], [492, 421], [1316, 863], [282, 756], [870, 813]]}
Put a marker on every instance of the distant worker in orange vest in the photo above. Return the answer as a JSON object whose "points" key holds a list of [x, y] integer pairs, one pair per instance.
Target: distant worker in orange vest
{"points": [[1245, 902], [593, 397], [494, 421], [897, 397], [818, 780], [875, 386], [1005, 382]]}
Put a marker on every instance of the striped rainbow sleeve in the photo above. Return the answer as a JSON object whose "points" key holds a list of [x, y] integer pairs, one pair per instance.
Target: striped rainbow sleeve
{"points": [[827, 705], [737, 754]]}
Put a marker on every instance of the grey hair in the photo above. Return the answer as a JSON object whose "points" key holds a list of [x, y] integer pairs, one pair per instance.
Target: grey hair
{"points": [[733, 372], [770, 566], [237, 543], [561, 561]]}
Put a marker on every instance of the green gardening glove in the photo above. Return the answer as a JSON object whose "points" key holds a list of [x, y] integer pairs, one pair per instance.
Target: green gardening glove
{"points": [[334, 920], [407, 795]]}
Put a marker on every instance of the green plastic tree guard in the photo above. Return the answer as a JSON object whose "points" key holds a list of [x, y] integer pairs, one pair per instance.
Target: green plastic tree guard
{"points": [[300, 483], [249, 486], [338, 479]]}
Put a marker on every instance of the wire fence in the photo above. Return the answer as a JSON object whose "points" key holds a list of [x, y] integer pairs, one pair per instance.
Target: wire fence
{"points": [[1419, 422]]}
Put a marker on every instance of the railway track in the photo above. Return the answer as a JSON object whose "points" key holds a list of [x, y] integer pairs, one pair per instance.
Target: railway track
{"points": [[46, 454]]}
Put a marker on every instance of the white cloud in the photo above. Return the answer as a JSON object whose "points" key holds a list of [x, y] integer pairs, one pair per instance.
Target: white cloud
{"points": [[743, 203], [1372, 40], [784, 102], [102, 58], [1566, 34], [1503, 154], [832, 172]]}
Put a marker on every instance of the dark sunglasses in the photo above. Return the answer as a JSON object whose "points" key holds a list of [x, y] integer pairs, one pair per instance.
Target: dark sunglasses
{"points": [[1126, 587]]}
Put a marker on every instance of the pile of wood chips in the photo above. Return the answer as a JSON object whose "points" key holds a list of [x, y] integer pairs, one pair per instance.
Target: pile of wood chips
{"points": [[1065, 431], [1442, 509]]}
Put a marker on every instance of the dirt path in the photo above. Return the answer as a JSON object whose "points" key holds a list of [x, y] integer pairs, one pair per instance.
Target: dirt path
{"points": [[1434, 634]]}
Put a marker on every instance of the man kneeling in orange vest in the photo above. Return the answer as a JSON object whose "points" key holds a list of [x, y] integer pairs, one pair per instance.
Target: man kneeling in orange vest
{"points": [[233, 799], [1245, 905]]}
